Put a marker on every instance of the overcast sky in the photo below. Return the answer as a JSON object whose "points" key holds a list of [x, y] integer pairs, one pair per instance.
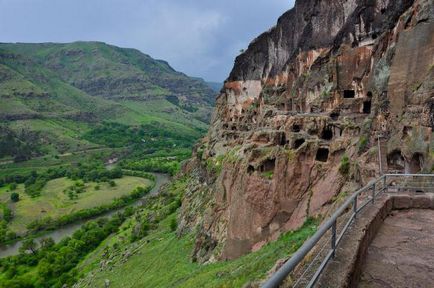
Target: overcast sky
{"points": [[198, 37]]}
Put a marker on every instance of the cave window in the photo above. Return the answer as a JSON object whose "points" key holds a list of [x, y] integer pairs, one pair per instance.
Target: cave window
{"points": [[374, 36], [268, 165], [395, 161], [383, 10], [369, 94], [282, 139], [296, 128], [348, 94], [250, 169], [367, 107], [335, 116], [327, 134], [416, 163], [298, 143], [322, 155]]}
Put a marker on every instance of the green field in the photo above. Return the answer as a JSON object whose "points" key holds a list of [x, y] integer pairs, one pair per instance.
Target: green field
{"points": [[54, 203]]}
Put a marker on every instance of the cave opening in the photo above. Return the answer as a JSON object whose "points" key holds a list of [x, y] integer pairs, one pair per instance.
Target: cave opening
{"points": [[298, 143], [367, 105], [250, 169], [322, 155], [416, 163], [327, 134], [268, 165], [396, 161], [296, 128], [348, 94], [335, 116], [282, 139]]}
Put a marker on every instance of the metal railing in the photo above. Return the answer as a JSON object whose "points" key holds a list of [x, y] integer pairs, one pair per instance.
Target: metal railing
{"points": [[321, 247]]}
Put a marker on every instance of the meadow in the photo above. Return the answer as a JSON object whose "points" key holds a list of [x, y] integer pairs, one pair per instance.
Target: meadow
{"points": [[54, 203]]}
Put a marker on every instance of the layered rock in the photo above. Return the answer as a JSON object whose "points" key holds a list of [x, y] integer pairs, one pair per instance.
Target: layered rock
{"points": [[314, 108]]}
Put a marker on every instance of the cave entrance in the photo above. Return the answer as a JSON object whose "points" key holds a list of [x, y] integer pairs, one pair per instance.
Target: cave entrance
{"points": [[322, 155], [395, 161], [348, 94], [250, 169], [268, 165], [298, 143], [335, 116], [327, 134], [282, 139], [367, 107], [296, 128], [416, 164]]}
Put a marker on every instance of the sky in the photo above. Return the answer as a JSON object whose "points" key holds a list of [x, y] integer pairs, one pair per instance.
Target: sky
{"points": [[198, 37]]}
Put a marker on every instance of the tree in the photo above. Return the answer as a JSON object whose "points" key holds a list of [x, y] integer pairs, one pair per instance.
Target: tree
{"points": [[15, 197], [7, 214], [28, 245], [13, 186]]}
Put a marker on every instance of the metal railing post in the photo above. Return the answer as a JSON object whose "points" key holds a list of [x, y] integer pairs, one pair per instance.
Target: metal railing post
{"points": [[373, 193], [385, 184], [355, 207], [334, 239]]}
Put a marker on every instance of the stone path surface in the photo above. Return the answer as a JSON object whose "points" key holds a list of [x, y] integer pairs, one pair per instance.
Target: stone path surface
{"points": [[402, 253]]}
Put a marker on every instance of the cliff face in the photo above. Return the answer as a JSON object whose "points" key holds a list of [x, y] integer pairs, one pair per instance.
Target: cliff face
{"points": [[297, 124]]}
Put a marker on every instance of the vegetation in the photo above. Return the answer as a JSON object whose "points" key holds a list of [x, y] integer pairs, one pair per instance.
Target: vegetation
{"points": [[163, 260], [52, 265], [15, 197], [345, 166]]}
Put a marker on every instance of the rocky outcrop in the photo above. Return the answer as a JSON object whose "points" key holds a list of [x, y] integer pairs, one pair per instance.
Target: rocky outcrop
{"points": [[299, 119]]}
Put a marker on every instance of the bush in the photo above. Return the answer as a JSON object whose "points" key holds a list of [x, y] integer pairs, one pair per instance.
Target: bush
{"points": [[15, 197], [7, 214], [112, 183], [13, 186], [363, 144], [344, 167]]}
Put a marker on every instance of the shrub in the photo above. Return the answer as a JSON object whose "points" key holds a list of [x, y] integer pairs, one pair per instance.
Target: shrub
{"points": [[112, 183], [7, 214], [344, 167], [363, 144], [13, 186], [15, 197]]}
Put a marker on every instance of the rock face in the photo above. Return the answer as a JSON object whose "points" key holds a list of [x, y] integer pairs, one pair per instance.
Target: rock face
{"points": [[297, 124]]}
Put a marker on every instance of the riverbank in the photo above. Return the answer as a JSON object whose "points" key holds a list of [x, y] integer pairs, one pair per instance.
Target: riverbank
{"points": [[68, 230]]}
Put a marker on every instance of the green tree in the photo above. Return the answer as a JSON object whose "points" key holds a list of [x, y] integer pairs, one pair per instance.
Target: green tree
{"points": [[28, 245], [15, 197], [7, 214]]}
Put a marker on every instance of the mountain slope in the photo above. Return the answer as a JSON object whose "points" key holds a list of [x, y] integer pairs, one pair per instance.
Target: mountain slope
{"points": [[86, 83]]}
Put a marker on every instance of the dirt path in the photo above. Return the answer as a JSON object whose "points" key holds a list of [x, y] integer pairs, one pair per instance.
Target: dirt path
{"points": [[402, 253]]}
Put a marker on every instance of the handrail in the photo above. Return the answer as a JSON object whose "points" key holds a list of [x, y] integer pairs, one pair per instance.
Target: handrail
{"points": [[277, 278]]}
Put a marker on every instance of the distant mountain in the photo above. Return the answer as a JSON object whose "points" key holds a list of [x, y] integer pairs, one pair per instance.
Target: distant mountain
{"points": [[90, 82], [215, 86]]}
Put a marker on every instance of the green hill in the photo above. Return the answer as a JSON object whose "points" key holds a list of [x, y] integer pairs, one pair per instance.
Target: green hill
{"points": [[65, 92]]}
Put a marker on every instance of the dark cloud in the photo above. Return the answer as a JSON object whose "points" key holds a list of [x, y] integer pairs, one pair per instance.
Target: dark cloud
{"points": [[198, 37]]}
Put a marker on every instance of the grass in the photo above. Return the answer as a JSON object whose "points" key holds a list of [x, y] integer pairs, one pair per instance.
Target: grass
{"points": [[164, 261], [54, 203]]}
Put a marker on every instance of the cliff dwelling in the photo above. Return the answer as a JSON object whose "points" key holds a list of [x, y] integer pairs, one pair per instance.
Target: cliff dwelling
{"points": [[322, 155]]}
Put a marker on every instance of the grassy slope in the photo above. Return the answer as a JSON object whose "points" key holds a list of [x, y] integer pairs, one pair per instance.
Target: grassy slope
{"points": [[63, 90], [163, 260], [54, 203]]}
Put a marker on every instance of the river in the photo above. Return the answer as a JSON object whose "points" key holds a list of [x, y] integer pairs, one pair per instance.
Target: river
{"points": [[68, 230]]}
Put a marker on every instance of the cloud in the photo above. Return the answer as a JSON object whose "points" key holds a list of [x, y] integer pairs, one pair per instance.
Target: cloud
{"points": [[198, 37]]}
